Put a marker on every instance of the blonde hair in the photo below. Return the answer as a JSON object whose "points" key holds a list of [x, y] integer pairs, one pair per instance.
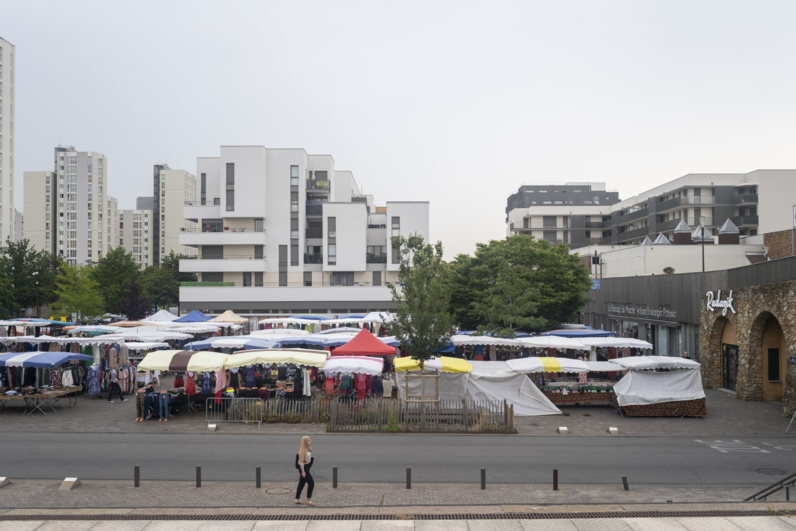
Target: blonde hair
{"points": [[304, 447]]}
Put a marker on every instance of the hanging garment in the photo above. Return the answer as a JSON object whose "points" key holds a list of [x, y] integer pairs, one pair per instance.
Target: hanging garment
{"points": [[206, 383], [250, 377], [307, 388], [346, 385], [330, 385], [221, 381], [190, 385]]}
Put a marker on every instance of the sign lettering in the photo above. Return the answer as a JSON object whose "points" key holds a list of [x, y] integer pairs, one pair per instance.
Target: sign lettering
{"points": [[641, 310], [725, 305]]}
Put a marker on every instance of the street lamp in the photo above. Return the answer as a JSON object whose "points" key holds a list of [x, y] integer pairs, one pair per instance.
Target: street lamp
{"points": [[36, 274]]}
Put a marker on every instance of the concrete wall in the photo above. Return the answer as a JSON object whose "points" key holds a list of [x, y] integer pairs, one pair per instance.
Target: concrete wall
{"points": [[414, 219], [779, 244], [250, 179], [351, 240], [7, 140], [776, 199], [38, 198]]}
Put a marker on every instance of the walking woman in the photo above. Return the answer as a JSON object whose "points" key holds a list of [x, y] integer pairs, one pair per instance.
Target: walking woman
{"points": [[304, 461]]}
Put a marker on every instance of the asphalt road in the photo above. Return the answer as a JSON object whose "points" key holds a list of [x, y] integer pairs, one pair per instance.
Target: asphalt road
{"points": [[384, 458]]}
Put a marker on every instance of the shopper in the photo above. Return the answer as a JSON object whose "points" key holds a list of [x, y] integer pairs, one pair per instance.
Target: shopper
{"points": [[114, 386], [304, 461]]}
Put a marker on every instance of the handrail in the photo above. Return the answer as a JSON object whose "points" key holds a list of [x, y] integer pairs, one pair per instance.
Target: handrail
{"points": [[217, 231], [771, 489]]}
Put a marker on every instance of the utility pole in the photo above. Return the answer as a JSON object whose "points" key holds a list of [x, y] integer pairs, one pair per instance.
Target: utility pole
{"points": [[36, 274]]}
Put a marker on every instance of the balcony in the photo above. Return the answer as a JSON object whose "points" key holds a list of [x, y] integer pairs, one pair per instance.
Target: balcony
{"points": [[692, 223], [375, 258], [313, 258], [210, 208], [744, 199], [225, 264], [595, 224], [194, 237], [318, 186], [314, 208], [632, 234], [294, 294], [745, 221], [633, 216], [313, 233]]}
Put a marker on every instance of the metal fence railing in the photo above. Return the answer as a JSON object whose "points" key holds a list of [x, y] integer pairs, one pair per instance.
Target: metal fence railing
{"points": [[228, 409]]}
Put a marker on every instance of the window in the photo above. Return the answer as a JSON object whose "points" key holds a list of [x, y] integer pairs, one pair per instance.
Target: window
{"points": [[294, 254], [247, 279], [258, 252], [294, 202], [396, 231], [342, 279], [294, 174], [283, 278], [230, 186], [331, 227], [258, 279], [377, 278], [308, 278], [294, 230], [230, 200], [332, 254]]}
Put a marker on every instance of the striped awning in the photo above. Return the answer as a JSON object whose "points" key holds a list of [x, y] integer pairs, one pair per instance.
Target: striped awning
{"points": [[524, 365], [183, 360]]}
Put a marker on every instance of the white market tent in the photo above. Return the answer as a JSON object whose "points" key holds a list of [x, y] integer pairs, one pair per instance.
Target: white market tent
{"points": [[463, 340], [361, 364], [280, 332], [526, 365], [639, 388], [310, 358], [488, 381], [603, 366], [161, 316], [616, 342], [135, 345], [638, 363], [553, 342]]}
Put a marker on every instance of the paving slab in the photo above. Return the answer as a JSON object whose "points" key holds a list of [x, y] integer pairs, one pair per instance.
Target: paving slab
{"points": [[761, 523], [708, 524], [601, 524], [441, 525], [280, 526], [116, 525], [75, 525], [353, 525], [494, 525], [388, 525], [654, 524], [790, 520], [548, 525], [21, 526]]}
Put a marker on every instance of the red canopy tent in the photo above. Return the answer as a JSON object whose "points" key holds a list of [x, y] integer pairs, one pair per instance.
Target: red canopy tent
{"points": [[364, 344]]}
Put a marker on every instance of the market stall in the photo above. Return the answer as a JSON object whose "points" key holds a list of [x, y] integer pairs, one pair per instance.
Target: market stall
{"points": [[673, 393], [364, 344]]}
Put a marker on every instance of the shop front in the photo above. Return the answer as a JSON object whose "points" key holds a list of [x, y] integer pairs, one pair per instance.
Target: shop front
{"points": [[749, 341]]}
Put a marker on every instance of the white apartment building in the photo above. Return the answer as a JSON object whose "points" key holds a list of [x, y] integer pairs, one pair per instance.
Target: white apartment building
{"points": [[757, 202], [7, 53], [38, 202], [173, 189], [71, 205], [281, 231], [136, 228]]}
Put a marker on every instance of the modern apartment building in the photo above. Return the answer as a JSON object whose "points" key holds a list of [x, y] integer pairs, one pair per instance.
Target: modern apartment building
{"points": [[7, 53], [757, 202], [71, 206], [172, 190], [572, 213], [282, 231], [136, 229]]}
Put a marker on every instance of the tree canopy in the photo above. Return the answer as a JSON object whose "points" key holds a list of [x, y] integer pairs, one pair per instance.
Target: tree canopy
{"points": [[77, 293], [113, 273], [162, 284], [135, 305], [519, 283], [18, 263], [422, 322]]}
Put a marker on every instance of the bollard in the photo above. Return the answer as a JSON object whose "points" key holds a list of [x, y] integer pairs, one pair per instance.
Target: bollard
{"points": [[257, 477], [137, 477], [624, 482], [555, 479], [483, 479], [408, 478], [787, 493], [198, 477], [334, 477]]}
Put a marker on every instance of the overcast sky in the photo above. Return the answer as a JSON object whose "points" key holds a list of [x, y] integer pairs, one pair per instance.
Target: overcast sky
{"points": [[456, 103]]}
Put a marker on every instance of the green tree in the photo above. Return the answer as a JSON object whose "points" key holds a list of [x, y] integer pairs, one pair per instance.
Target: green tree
{"points": [[518, 283], [462, 292], [134, 304], [161, 286], [422, 322], [114, 272], [172, 262], [7, 302], [18, 263], [77, 293]]}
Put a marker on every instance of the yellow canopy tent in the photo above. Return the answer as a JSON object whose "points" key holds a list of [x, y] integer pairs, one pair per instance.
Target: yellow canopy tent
{"points": [[310, 358], [443, 363], [229, 317]]}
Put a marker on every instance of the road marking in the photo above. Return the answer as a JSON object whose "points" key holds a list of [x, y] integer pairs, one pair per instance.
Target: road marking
{"points": [[786, 447], [734, 445]]}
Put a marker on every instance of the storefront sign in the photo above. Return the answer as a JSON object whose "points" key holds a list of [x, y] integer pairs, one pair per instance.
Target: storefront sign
{"points": [[726, 304], [641, 310]]}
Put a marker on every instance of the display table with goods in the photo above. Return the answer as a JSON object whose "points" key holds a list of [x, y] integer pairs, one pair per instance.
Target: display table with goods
{"points": [[574, 393], [37, 399], [684, 408]]}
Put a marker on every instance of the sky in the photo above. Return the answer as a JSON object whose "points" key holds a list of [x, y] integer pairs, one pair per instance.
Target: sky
{"points": [[453, 102]]}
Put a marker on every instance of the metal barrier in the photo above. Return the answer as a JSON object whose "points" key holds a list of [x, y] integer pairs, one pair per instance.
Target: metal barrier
{"points": [[227, 409]]}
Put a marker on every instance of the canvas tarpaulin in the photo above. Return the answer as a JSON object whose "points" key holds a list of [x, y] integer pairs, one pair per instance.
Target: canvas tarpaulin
{"points": [[640, 388]]}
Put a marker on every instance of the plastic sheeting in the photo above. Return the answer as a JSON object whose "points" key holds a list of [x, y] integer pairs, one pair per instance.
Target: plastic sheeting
{"points": [[637, 363], [640, 388]]}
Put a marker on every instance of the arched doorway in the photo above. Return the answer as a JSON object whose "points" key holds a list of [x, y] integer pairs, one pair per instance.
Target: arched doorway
{"points": [[774, 357], [729, 356]]}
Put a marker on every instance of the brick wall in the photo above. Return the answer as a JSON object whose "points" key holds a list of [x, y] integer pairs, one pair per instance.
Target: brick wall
{"points": [[780, 244]]}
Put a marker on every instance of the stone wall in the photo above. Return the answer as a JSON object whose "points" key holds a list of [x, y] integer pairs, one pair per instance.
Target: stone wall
{"points": [[780, 244], [754, 305]]}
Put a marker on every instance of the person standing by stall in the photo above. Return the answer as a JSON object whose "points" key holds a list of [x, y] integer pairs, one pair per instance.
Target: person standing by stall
{"points": [[114, 386], [304, 462]]}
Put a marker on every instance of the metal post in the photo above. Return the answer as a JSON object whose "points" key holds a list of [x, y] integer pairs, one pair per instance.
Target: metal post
{"points": [[787, 493], [703, 249], [198, 477], [483, 479], [258, 477], [555, 479], [334, 477], [137, 477], [408, 478], [624, 482]]}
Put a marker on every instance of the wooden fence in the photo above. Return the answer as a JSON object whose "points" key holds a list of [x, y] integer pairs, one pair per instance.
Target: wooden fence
{"points": [[390, 415]]}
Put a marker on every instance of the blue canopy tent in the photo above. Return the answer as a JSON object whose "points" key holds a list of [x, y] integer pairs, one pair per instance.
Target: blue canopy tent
{"points": [[310, 317], [194, 317], [579, 332], [40, 360]]}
